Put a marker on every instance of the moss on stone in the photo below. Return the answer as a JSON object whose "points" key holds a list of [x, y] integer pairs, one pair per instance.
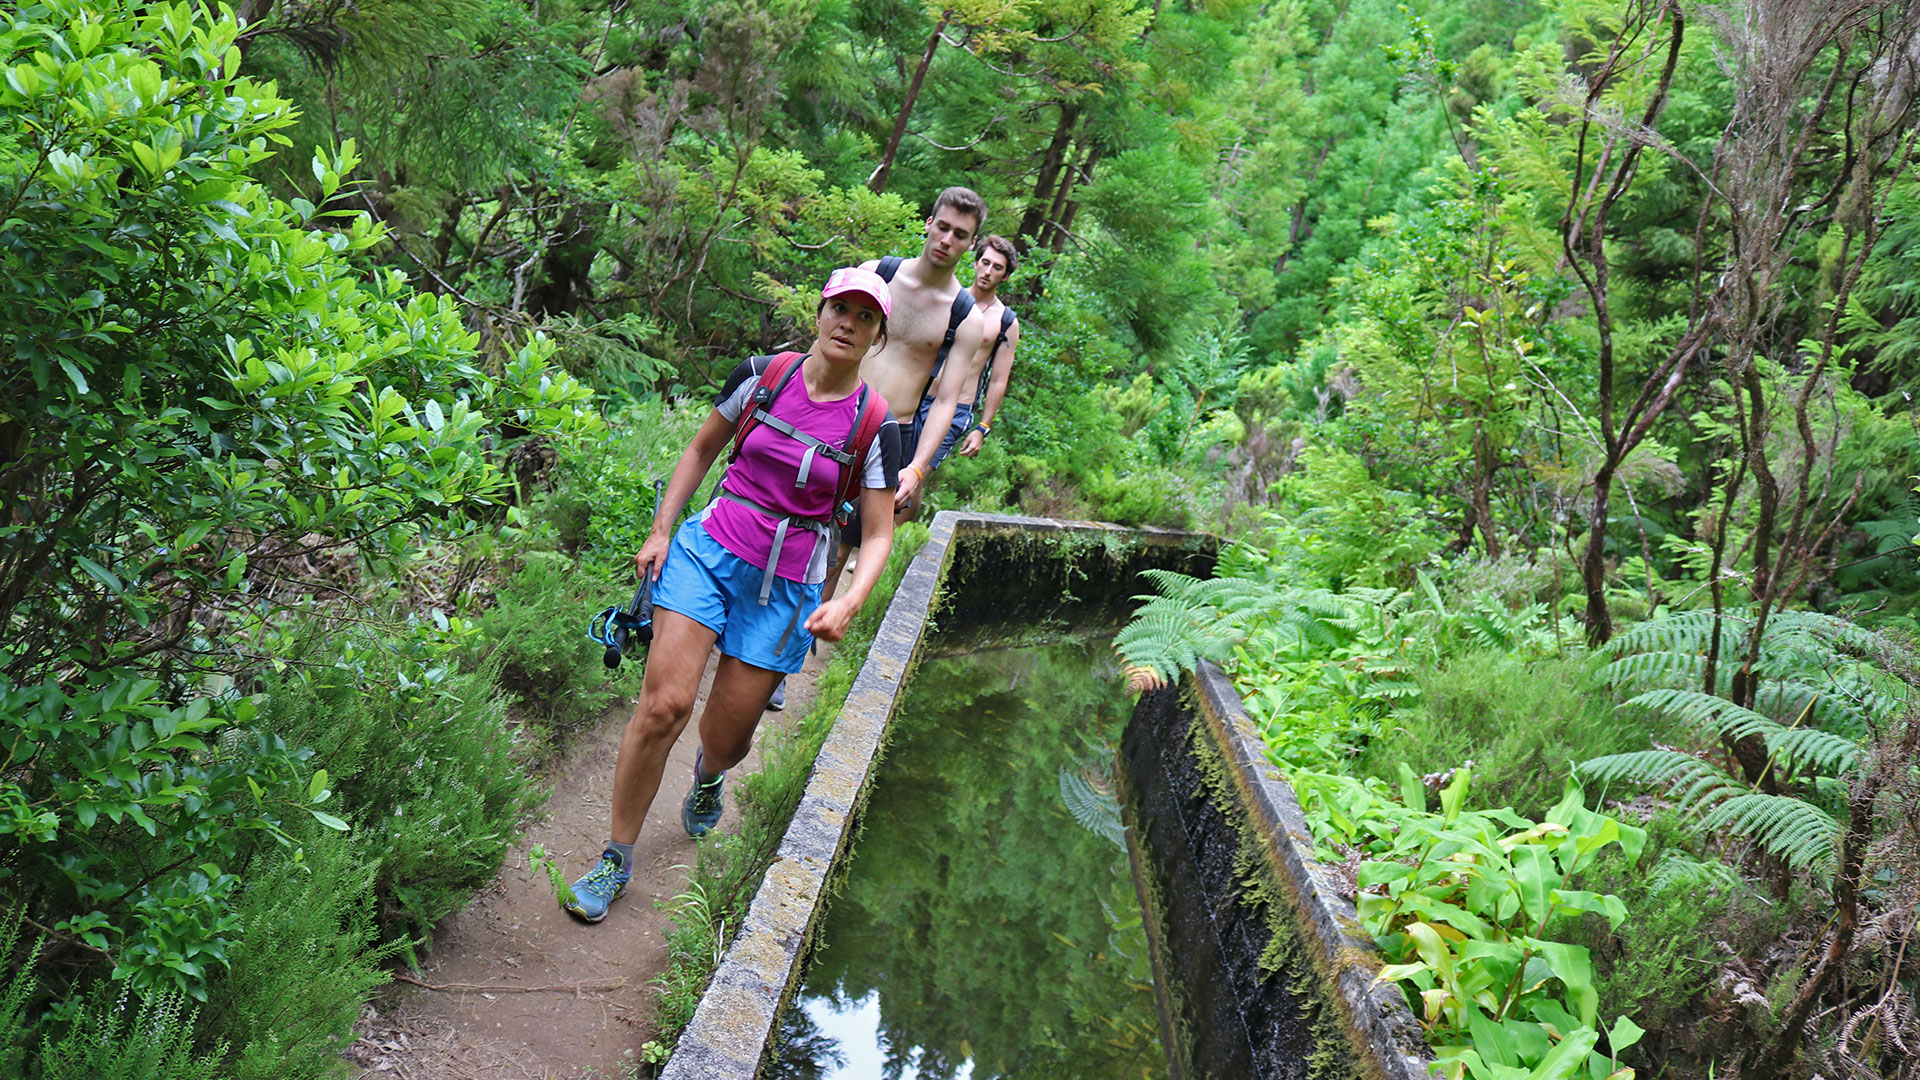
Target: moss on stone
{"points": [[1285, 955]]}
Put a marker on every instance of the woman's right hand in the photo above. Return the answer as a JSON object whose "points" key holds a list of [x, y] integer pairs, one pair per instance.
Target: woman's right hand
{"points": [[652, 556]]}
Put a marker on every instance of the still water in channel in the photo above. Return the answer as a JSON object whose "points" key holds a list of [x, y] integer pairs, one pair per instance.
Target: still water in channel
{"points": [[988, 926]]}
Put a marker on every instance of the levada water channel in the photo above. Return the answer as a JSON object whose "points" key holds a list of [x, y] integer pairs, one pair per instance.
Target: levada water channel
{"points": [[988, 925]]}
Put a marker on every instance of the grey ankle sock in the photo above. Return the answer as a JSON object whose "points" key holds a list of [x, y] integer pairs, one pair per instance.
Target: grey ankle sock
{"points": [[625, 851]]}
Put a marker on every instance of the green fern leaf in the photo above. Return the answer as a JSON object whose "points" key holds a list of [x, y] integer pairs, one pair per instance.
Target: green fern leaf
{"points": [[1695, 782], [1797, 832], [1823, 750]]}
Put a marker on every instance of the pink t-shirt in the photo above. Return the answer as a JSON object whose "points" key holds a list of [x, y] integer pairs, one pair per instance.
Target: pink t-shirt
{"points": [[768, 465]]}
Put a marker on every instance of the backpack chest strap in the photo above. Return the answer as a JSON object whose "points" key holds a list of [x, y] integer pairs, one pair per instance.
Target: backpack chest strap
{"points": [[814, 446], [821, 529]]}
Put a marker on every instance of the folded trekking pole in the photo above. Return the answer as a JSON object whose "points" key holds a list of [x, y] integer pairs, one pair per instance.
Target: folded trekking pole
{"points": [[618, 629]]}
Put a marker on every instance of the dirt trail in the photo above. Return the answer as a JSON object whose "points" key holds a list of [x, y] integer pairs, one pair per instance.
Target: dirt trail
{"points": [[521, 990]]}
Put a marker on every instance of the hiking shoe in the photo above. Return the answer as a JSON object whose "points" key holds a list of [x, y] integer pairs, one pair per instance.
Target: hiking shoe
{"points": [[701, 812], [778, 702], [598, 888]]}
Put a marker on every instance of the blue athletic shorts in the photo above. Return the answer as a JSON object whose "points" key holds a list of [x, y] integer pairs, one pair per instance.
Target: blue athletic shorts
{"points": [[721, 591], [910, 438]]}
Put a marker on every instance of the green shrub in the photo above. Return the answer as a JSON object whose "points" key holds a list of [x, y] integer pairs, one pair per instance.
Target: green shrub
{"points": [[1688, 916], [304, 964], [534, 635], [601, 503], [1521, 722], [114, 1036], [421, 757]]}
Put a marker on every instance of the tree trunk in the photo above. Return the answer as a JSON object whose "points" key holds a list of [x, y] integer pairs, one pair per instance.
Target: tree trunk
{"points": [[1043, 188], [1593, 566], [1060, 216], [878, 182]]}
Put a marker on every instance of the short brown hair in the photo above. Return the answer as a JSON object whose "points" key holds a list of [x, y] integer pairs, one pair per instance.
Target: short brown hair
{"points": [[965, 200], [1005, 247]]}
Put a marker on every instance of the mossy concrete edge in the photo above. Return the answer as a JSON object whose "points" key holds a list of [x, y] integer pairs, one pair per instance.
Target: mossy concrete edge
{"points": [[734, 1024], [1385, 1036]]}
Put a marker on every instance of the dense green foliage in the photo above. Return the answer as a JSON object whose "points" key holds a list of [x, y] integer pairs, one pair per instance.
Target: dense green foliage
{"points": [[1489, 327]]}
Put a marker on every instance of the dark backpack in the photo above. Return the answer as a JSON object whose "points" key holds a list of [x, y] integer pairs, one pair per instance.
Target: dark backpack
{"points": [[962, 307], [775, 373]]}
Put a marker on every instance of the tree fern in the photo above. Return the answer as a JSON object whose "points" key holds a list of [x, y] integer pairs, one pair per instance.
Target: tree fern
{"points": [[1677, 871], [1686, 632], [1818, 697], [1793, 830], [1650, 669], [1693, 783]]}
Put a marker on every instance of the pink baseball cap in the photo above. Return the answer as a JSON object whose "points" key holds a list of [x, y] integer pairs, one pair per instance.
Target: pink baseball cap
{"points": [[855, 279]]}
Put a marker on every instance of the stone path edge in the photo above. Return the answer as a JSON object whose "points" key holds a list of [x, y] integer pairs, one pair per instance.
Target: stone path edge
{"points": [[1386, 1038], [734, 1024]]}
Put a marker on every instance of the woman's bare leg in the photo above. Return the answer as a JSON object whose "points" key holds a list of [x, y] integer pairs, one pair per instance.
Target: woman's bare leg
{"points": [[734, 705], [675, 662]]}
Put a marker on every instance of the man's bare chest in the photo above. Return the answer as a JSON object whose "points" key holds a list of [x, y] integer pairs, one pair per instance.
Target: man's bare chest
{"points": [[921, 326]]}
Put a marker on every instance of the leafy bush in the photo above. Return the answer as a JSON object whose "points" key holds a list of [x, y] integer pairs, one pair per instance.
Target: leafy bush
{"points": [[304, 964], [204, 394], [1471, 910], [534, 635], [601, 504], [114, 1036], [1523, 723], [422, 759], [1689, 914]]}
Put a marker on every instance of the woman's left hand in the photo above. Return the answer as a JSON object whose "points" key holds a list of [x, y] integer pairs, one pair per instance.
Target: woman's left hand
{"points": [[830, 620]]}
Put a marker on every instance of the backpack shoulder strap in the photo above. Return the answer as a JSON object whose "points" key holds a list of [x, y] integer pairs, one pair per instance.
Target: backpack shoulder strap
{"points": [[889, 266], [774, 373], [962, 307], [871, 417]]}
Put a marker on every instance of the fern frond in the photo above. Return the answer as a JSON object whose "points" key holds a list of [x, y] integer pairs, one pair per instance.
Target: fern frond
{"points": [[1706, 711], [1655, 669], [1825, 630], [1169, 643], [1677, 871], [1096, 812], [1797, 832], [1686, 632], [1695, 782], [1824, 750]]}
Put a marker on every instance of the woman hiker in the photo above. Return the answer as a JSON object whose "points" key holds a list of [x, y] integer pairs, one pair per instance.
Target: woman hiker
{"points": [[808, 437]]}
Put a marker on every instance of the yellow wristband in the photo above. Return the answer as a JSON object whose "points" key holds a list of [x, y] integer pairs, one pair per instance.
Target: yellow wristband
{"points": [[917, 474]]}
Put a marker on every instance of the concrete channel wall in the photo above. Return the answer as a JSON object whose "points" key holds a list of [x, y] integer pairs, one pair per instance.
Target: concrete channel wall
{"points": [[1015, 568], [1263, 968]]}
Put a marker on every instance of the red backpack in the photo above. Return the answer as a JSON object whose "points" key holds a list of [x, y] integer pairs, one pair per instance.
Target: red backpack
{"points": [[775, 372]]}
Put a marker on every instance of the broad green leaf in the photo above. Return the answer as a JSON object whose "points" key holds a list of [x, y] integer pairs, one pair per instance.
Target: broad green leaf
{"points": [[1566, 1060], [331, 822], [1623, 1034], [100, 573], [1535, 878]]}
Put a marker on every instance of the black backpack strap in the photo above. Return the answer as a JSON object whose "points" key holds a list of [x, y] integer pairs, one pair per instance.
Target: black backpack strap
{"points": [[889, 266], [962, 307]]}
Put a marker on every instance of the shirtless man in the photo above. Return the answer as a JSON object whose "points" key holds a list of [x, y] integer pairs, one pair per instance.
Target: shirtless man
{"points": [[924, 290], [991, 268]]}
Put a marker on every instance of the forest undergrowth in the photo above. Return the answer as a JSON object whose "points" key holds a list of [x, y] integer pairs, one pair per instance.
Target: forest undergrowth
{"points": [[1550, 362]]}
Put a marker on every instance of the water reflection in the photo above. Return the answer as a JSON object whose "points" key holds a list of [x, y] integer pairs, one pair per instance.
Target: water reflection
{"points": [[987, 927]]}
